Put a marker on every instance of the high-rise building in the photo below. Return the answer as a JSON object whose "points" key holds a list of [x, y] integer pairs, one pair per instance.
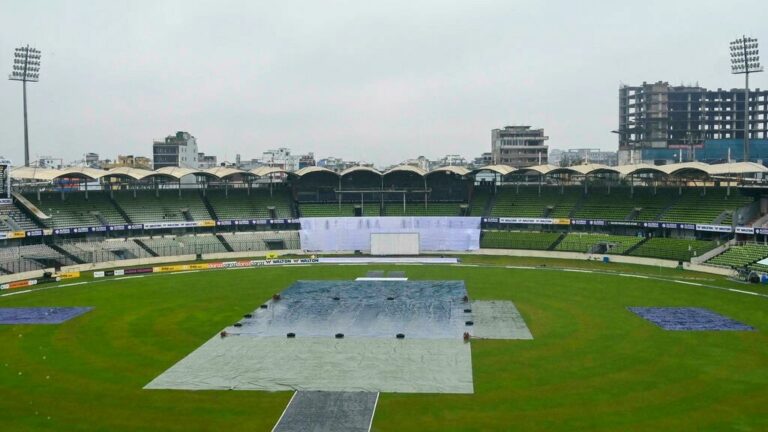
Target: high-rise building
{"points": [[178, 150], [660, 123], [518, 146]]}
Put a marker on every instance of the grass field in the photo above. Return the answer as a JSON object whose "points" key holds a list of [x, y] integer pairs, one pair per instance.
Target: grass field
{"points": [[592, 365]]}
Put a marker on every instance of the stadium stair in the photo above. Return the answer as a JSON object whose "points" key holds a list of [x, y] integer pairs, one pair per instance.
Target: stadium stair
{"points": [[119, 209], [489, 205], [224, 241], [208, 205], [67, 254], [719, 220], [556, 242], [632, 248], [145, 247]]}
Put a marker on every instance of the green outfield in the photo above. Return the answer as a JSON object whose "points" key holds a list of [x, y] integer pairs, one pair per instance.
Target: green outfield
{"points": [[591, 366]]}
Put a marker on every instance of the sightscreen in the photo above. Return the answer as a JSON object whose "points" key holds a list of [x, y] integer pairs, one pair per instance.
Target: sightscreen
{"points": [[395, 244], [354, 233]]}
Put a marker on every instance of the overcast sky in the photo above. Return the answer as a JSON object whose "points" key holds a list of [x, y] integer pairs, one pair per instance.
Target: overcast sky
{"points": [[375, 81]]}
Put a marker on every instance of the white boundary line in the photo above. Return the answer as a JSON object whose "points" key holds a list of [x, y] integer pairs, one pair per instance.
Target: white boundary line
{"points": [[286, 409], [14, 293], [373, 413]]}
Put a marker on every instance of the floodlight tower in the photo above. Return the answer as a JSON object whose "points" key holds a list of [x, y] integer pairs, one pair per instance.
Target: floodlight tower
{"points": [[745, 59], [26, 67]]}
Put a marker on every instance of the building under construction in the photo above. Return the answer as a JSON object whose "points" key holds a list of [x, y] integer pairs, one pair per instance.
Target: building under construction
{"points": [[662, 123]]}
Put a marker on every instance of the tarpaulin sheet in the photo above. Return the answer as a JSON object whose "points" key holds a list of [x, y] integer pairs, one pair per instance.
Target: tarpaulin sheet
{"points": [[379, 309], [40, 315], [688, 318], [498, 319], [313, 411], [350, 364]]}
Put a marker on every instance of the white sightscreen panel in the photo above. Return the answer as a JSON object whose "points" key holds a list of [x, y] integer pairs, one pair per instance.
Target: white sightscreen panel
{"points": [[395, 244], [452, 233]]}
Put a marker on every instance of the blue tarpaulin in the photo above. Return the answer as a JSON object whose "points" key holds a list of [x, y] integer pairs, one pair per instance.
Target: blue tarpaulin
{"points": [[40, 315], [688, 318]]}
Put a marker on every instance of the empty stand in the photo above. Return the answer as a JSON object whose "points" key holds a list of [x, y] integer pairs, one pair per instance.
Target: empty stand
{"points": [[165, 206], [740, 256], [673, 248], [695, 207], [72, 209], [420, 209], [13, 219], [525, 201], [338, 210], [239, 204], [518, 240], [597, 243]]}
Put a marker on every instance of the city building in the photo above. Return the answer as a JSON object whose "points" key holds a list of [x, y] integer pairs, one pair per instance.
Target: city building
{"points": [[206, 161], [450, 160], [581, 156], [518, 146], [178, 150], [484, 159], [283, 158], [660, 123], [92, 160]]}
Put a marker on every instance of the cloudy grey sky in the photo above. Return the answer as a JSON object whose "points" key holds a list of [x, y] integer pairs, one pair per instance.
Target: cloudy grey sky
{"points": [[376, 81]]}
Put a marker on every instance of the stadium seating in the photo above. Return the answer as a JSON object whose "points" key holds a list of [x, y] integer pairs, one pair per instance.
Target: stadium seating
{"points": [[525, 201], [517, 240], [166, 206], [31, 257], [586, 242], [238, 204], [693, 207], [76, 210], [623, 204], [336, 210], [419, 209], [480, 199], [258, 241], [740, 256], [673, 249], [12, 219]]}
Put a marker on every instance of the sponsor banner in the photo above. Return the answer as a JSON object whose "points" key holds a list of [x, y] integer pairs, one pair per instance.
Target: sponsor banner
{"points": [[180, 267], [98, 274], [206, 223], [69, 275], [34, 233], [166, 225], [761, 231], [16, 234], [595, 222], [651, 224], [579, 222], [715, 228], [6, 201], [625, 223], [527, 221], [18, 284], [560, 221], [125, 227], [138, 270], [745, 230], [272, 255], [491, 220]]}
